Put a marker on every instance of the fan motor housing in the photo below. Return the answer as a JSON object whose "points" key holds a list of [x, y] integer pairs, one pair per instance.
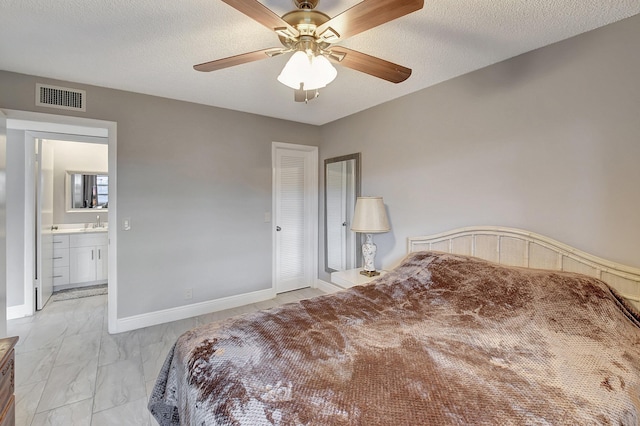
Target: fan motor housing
{"points": [[305, 21]]}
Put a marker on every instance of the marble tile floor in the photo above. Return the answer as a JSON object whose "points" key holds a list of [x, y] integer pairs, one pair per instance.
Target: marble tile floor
{"points": [[70, 371]]}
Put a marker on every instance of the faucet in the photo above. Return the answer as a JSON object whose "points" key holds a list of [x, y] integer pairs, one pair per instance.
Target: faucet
{"points": [[97, 224]]}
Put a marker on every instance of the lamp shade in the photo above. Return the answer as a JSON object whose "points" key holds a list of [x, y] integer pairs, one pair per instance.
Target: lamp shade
{"points": [[370, 216]]}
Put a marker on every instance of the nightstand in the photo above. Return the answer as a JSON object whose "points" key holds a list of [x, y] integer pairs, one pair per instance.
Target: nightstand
{"points": [[7, 381], [351, 277]]}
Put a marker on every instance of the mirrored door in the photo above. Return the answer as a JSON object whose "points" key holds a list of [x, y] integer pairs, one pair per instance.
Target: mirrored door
{"points": [[342, 187]]}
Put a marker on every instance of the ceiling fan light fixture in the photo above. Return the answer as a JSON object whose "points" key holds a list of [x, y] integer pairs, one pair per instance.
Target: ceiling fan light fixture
{"points": [[322, 72], [294, 71], [312, 34], [306, 69]]}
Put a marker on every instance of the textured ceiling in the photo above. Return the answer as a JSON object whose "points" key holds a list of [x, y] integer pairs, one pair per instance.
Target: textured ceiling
{"points": [[150, 46]]}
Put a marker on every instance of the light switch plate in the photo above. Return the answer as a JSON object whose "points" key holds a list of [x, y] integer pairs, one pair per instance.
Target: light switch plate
{"points": [[126, 224]]}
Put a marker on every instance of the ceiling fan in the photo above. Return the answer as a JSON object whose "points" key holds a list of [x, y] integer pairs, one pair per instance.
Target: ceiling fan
{"points": [[312, 35]]}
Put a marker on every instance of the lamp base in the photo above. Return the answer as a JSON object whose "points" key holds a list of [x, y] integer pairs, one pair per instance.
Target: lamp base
{"points": [[369, 273]]}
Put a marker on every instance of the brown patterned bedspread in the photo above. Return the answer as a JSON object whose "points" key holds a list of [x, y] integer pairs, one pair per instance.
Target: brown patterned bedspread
{"points": [[443, 339]]}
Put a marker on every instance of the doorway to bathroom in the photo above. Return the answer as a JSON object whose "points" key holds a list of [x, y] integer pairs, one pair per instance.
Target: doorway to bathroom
{"points": [[72, 200], [82, 147]]}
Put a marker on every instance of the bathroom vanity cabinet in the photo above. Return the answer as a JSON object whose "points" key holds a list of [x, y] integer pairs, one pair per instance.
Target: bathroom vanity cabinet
{"points": [[60, 259], [87, 257], [80, 259]]}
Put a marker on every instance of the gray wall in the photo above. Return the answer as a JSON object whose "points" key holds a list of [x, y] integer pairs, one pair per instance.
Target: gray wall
{"points": [[195, 181], [547, 141], [15, 217]]}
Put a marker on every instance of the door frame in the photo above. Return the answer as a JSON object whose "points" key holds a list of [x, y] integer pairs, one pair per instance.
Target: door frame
{"points": [[311, 195], [87, 127]]}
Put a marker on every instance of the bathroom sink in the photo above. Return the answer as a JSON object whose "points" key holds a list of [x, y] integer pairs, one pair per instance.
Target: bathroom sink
{"points": [[102, 229]]}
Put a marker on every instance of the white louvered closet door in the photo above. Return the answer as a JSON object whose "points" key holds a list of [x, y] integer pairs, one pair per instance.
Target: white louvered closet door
{"points": [[295, 216]]}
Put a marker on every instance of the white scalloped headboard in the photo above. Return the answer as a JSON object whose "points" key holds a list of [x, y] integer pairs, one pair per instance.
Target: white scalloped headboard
{"points": [[516, 247]]}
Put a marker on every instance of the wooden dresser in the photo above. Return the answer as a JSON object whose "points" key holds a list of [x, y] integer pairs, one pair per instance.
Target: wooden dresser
{"points": [[7, 383]]}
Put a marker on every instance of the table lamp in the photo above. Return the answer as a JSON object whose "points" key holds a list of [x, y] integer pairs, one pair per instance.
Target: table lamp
{"points": [[370, 217]]}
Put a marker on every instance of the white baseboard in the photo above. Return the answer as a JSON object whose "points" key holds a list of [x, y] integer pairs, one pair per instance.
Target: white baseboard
{"points": [[181, 312], [327, 287], [18, 311]]}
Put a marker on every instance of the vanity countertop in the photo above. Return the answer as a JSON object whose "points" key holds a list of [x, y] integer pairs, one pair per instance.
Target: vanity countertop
{"points": [[78, 229]]}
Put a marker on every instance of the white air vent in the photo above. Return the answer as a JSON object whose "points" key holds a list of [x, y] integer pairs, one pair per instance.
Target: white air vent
{"points": [[60, 97]]}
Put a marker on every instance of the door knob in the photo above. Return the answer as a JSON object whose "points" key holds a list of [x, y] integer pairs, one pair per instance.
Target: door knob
{"points": [[278, 229]]}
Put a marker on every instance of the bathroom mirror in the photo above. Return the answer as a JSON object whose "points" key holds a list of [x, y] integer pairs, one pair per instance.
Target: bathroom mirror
{"points": [[341, 188], [87, 190]]}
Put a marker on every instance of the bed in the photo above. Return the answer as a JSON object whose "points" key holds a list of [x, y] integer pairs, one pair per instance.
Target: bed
{"points": [[481, 325]]}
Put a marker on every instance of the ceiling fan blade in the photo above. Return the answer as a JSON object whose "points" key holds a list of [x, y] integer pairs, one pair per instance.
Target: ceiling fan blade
{"points": [[364, 16], [231, 61], [260, 13], [370, 64]]}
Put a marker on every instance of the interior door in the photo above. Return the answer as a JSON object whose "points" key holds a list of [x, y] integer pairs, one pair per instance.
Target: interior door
{"points": [[295, 201], [44, 222], [341, 189]]}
